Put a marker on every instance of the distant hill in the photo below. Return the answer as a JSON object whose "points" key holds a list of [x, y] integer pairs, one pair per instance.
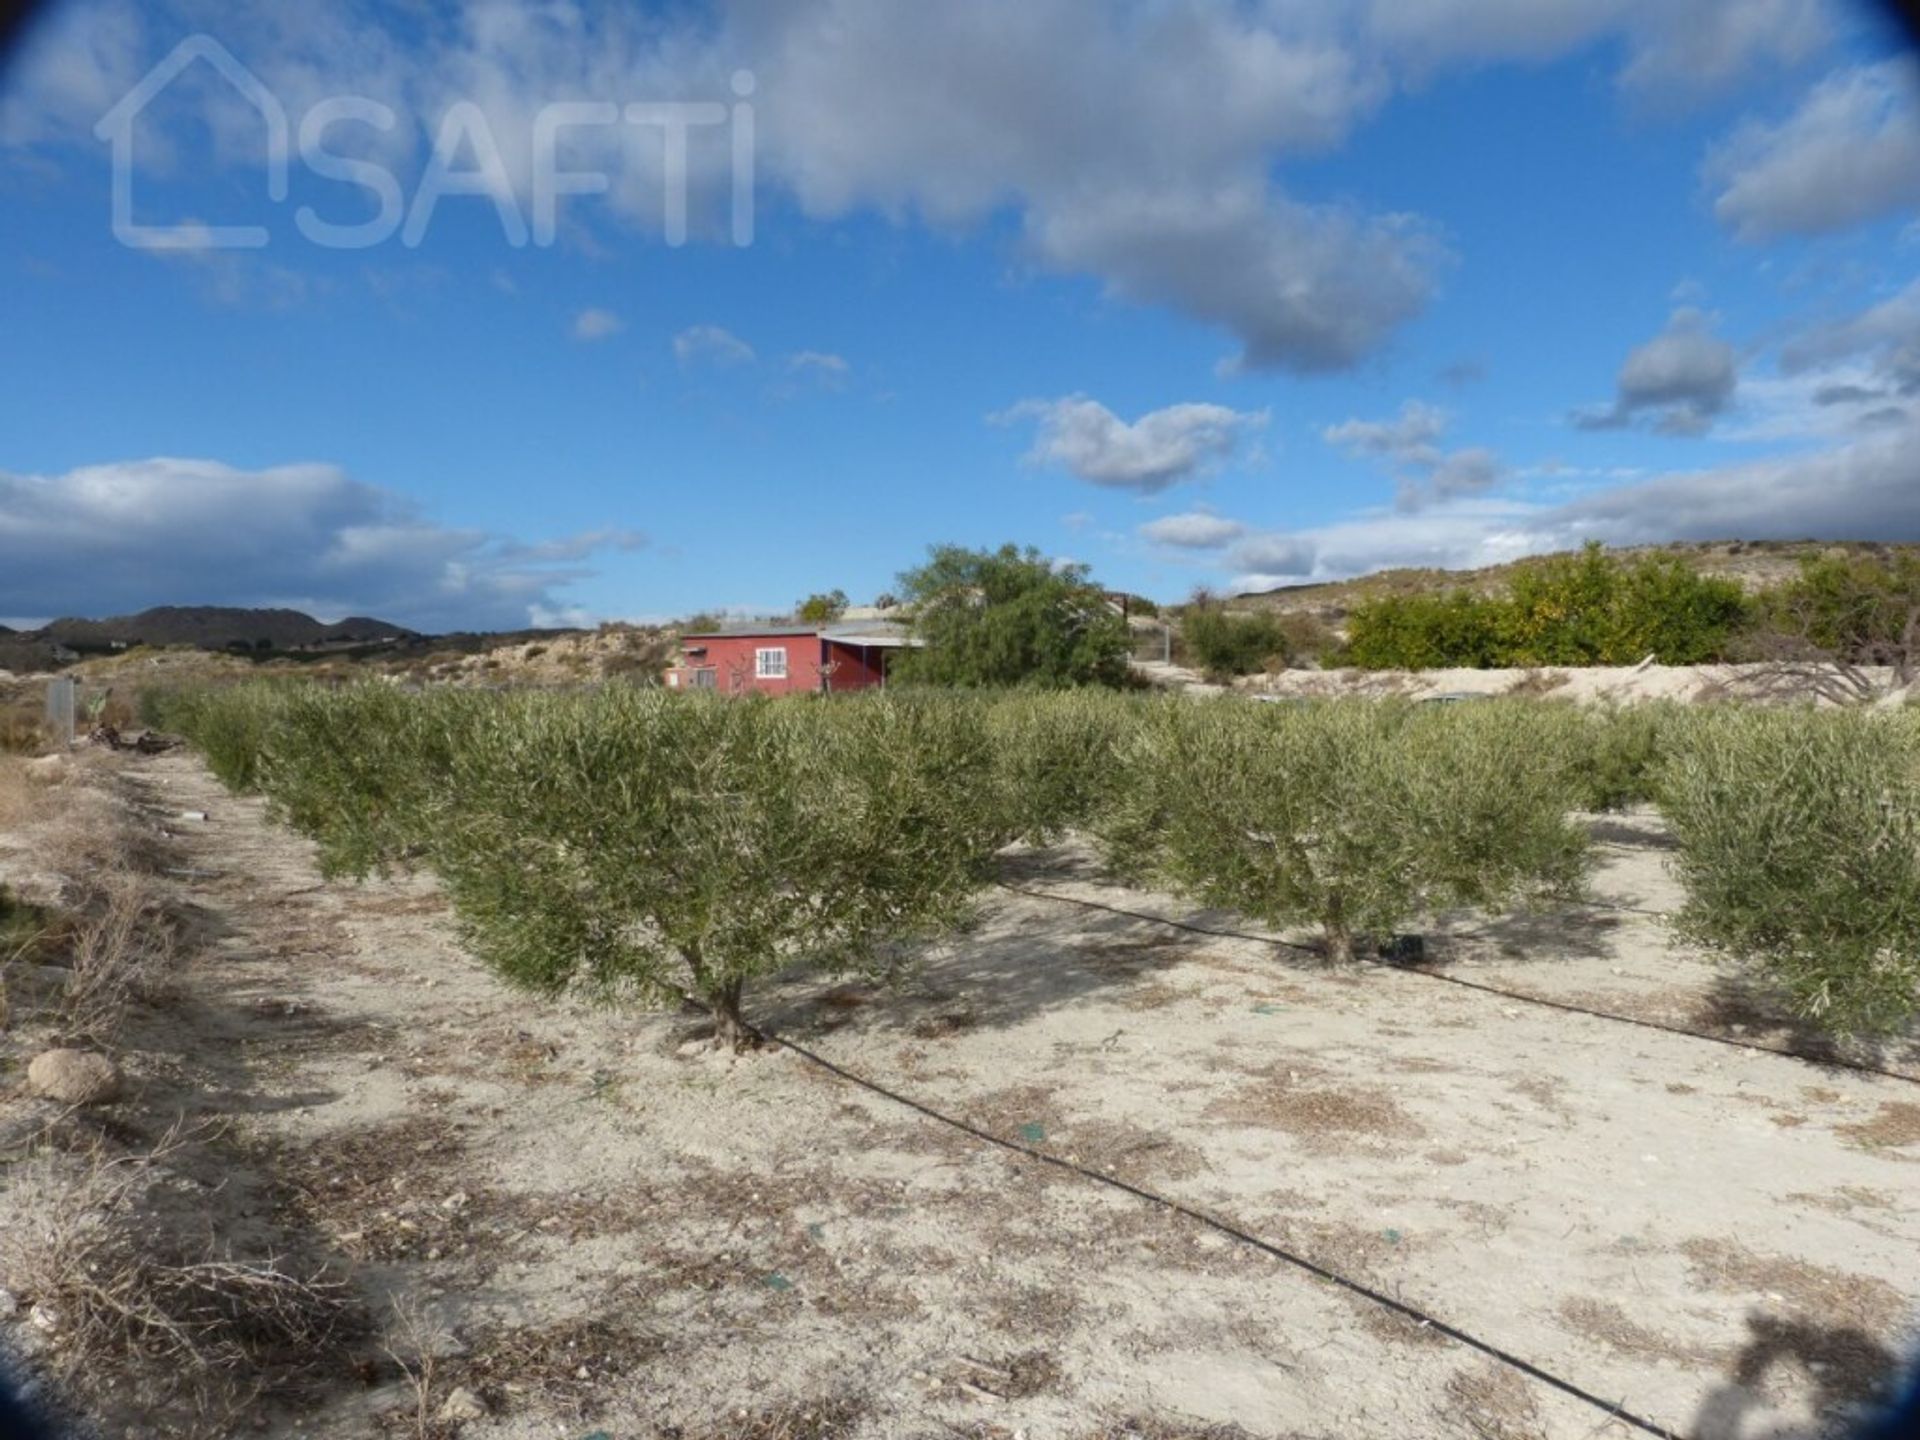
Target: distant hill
{"points": [[259, 633], [1756, 564], [220, 627]]}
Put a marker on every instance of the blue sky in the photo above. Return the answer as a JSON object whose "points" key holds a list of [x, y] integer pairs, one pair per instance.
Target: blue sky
{"points": [[1234, 294]]}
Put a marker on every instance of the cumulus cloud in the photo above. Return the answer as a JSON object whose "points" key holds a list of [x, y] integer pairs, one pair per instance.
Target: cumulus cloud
{"points": [[1275, 559], [1140, 144], [1865, 486], [1885, 337], [1160, 449], [711, 345], [1409, 439], [1682, 379], [1850, 153], [595, 324], [1195, 530], [1410, 445], [1671, 44], [121, 537]]}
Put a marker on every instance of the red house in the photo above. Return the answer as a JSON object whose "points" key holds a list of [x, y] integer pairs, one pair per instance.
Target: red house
{"points": [[779, 659]]}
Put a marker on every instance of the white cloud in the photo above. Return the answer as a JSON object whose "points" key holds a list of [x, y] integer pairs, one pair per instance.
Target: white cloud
{"points": [[1160, 449], [1682, 378], [819, 367], [711, 345], [1136, 143], [1850, 153], [121, 537], [1863, 487], [1194, 530], [1885, 336], [596, 324], [1410, 445], [1409, 439], [1671, 44]]}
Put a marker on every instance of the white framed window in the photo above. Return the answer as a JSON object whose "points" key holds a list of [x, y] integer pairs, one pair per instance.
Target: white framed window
{"points": [[770, 664]]}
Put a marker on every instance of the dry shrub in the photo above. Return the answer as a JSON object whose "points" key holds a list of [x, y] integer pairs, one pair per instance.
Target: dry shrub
{"points": [[140, 1314], [1491, 1403], [20, 795], [122, 955]]}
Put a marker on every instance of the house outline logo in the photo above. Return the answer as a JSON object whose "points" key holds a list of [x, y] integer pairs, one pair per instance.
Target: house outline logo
{"points": [[117, 127]]}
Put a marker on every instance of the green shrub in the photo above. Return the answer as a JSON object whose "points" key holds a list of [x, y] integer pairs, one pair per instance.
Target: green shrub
{"points": [[1856, 609], [229, 726], [677, 847], [1224, 644], [1800, 851], [1424, 632], [1006, 617], [1619, 752], [1587, 608], [364, 771], [1056, 758], [1351, 815]]}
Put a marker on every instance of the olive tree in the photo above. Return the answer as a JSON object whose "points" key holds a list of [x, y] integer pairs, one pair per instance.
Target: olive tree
{"points": [[365, 771], [1354, 815], [678, 847], [1799, 837], [1056, 757]]}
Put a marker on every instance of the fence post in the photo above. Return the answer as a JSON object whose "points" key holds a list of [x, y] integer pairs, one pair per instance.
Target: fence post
{"points": [[60, 708]]}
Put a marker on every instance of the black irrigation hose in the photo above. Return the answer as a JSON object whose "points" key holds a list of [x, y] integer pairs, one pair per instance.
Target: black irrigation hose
{"points": [[1233, 1232], [1833, 1062]]}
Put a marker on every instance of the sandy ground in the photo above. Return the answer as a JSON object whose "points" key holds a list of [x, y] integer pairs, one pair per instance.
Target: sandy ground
{"points": [[598, 1226], [1595, 684]]}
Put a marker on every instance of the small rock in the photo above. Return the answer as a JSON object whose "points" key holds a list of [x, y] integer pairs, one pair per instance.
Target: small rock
{"points": [[73, 1077], [463, 1404], [9, 1304], [47, 767], [455, 1201], [44, 1317]]}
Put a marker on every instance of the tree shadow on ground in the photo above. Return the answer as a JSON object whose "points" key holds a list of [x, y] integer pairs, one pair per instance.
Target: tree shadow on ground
{"points": [[1541, 936], [1845, 1366], [1630, 833], [1018, 963], [1740, 1007]]}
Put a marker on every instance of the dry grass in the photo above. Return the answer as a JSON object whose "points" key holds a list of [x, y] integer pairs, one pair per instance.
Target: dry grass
{"points": [[1895, 1123], [141, 1312], [1610, 1325], [1832, 1297], [1322, 1116], [122, 955], [1490, 1402], [799, 1420]]}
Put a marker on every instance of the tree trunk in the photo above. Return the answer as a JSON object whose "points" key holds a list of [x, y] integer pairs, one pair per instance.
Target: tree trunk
{"points": [[730, 1027], [1339, 937]]}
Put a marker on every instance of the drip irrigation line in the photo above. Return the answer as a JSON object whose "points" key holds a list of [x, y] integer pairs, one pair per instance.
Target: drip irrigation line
{"points": [[1833, 1062], [1233, 1232]]}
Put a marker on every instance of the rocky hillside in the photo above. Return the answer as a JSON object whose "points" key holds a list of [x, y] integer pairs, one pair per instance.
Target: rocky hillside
{"points": [[221, 627], [1756, 564]]}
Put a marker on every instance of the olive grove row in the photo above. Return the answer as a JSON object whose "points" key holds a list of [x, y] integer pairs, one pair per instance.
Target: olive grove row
{"points": [[665, 847]]}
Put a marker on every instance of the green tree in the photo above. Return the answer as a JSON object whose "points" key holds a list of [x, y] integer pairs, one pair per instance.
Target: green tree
{"points": [[819, 609], [675, 847], [1846, 609], [1799, 837], [1423, 632], [1352, 815], [1009, 617], [1223, 644]]}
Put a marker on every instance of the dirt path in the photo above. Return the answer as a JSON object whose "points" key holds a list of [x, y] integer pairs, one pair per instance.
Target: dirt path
{"points": [[595, 1227]]}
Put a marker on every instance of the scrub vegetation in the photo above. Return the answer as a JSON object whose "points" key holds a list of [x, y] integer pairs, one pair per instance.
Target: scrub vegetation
{"points": [[676, 848]]}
